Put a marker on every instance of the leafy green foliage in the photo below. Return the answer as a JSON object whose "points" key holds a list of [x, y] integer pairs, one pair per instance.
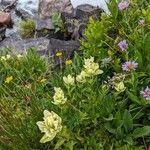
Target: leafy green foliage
{"points": [[57, 22], [27, 28], [96, 115]]}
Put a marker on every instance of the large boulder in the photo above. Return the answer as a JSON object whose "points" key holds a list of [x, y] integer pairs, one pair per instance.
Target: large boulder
{"points": [[76, 22], [67, 48], [5, 19], [45, 11], [21, 46], [47, 7]]}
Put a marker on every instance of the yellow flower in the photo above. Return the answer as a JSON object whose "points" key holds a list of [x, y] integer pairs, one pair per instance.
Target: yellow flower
{"points": [[68, 62], [5, 57], [59, 97], [50, 126], [81, 77], [43, 80], [91, 68], [8, 79], [8, 57], [19, 56], [59, 54], [69, 80], [119, 87]]}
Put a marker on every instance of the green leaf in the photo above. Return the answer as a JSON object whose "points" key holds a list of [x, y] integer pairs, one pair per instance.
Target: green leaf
{"points": [[59, 143], [127, 121], [133, 98], [140, 132]]}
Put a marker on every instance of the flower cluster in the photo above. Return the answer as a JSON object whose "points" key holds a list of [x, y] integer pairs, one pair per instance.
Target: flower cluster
{"points": [[129, 66], [146, 93], [123, 45], [123, 5], [90, 69], [4, 58], [69, 80], [59, 97], [116, 82], [51, 125]]}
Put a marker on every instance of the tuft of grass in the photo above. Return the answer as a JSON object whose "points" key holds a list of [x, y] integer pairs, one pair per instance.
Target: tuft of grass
{"points": [[27, 28]]}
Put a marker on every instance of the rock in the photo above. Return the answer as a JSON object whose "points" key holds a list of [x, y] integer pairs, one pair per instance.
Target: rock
{"points": [[7, 2], [21, 46], [47, 7], [29, 7], [44, 24], [76, 22], [66, 47], [96, 3], [5, 18], [46, 10], [2, 33], [86, 11]]}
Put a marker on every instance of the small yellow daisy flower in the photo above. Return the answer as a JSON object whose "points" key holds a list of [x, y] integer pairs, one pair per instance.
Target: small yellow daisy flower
{"points": [[8, 79], [59, 54], [68, 62]]}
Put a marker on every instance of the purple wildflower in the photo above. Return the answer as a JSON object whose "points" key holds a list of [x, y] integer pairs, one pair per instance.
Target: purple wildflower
{"points": [[123, 45], [146, 93], [129, 66], [123, 5], [142, 22]]}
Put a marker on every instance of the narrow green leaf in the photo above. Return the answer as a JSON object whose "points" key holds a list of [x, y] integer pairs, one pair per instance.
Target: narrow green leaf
{"points": [[139, 132]]}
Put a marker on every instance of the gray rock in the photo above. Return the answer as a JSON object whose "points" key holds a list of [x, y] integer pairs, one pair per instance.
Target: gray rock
{"points": [[76, 22], [2, 33], [46, 10], [66, 47], [21, 46], [7, 2], [47, 7]]}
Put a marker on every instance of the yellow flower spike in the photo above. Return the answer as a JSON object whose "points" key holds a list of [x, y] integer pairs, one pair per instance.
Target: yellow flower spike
{"points": [[8, 79], [68, 62], [3, 58], [19, 56], [59, 97], [119, 87], [69, 80], [8, 57], [59, 54], [50, 126]]}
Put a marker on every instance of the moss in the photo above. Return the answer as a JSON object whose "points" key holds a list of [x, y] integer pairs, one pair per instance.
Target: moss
{"points": [[27, 28]]}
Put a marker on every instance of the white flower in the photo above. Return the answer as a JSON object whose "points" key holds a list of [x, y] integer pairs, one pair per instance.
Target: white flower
{"points": [[69, 80], [59, 97], [50, 126]]}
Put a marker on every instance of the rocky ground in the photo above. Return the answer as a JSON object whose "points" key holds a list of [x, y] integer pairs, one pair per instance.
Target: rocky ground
{"points": [[12, 12]]}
